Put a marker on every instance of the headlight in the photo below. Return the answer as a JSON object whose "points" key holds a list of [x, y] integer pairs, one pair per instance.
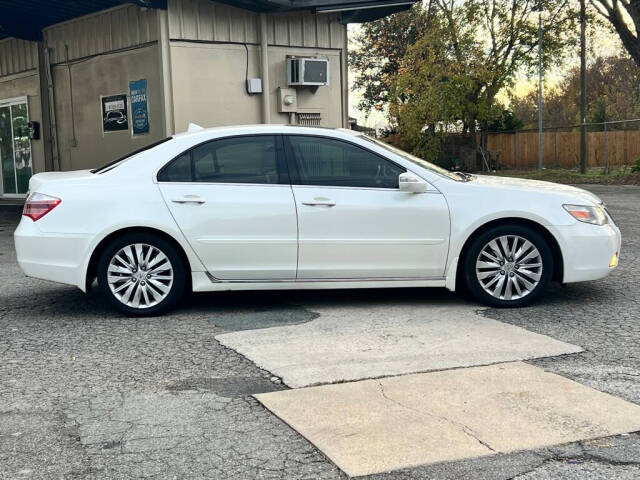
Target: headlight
{"points": [[587, 214]]}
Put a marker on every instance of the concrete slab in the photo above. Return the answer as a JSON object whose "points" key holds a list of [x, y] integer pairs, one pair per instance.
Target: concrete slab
{"points": [[356, 342], [374, 426]]}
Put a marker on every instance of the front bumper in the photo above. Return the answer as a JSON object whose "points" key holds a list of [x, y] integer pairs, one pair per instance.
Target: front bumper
{"points": [[56, 257], [588, 250]]}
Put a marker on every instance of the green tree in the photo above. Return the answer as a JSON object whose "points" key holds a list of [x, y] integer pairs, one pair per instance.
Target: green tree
{"points": [[379, 49], [613, 93], [470, 50], [506, 122], [624, 17]]}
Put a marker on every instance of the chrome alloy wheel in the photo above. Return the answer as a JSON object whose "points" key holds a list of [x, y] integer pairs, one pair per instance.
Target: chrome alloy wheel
{"points": [[509, 267], [140, 275]]}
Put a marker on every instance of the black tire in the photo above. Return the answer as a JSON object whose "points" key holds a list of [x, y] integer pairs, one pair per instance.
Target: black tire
{"points": [[472, 252], [178, 270]]}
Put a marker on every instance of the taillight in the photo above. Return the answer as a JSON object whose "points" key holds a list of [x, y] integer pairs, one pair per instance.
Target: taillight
{"points": [[38, 205]]}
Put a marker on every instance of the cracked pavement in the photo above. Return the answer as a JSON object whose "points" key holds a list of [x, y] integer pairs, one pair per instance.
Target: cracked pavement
{"points": [[86, 393], [465, 429]]}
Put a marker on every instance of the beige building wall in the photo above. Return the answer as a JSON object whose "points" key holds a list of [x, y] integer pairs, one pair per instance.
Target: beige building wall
{"points": [[326, 100], [209, 86], [210, 45], [209, 21], [17, 56], [102, 32], [209, 63], [81, 141]]}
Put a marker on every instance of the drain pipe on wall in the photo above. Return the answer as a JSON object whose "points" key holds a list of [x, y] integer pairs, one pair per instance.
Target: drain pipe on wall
{"points": [[166, 79], [344, 74], [264, 69], [49, 129], [74, 139]]}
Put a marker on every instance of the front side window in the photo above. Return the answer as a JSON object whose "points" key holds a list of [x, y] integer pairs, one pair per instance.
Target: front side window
{"points": [[250, 159], [327, 162], [413, 159]]}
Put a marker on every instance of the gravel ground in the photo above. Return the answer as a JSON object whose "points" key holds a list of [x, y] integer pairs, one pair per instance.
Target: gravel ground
{"points": [[86, 393]]}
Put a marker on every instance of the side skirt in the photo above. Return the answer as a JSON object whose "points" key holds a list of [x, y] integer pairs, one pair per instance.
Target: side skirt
{"points": [[202, 282]]}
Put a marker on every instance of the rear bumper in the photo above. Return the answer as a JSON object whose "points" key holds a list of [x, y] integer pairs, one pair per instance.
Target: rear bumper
{"points": [[587, 250], [55, 257]]}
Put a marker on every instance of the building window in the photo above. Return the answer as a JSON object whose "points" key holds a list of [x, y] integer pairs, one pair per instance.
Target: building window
{"points": [[15, 146]]}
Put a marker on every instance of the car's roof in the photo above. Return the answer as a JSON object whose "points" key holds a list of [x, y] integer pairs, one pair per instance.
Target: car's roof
{"points": [[195, 130]]}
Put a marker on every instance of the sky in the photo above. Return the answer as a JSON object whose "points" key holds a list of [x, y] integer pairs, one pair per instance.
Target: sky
{"points": [[601, 41]]}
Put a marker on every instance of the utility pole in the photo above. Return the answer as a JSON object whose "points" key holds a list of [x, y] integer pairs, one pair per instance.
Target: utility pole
{"points": [[540, 152], [583, 88]]}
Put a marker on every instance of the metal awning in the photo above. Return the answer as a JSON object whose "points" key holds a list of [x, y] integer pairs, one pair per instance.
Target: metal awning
{"points": [[26, 18], [374, 8]]}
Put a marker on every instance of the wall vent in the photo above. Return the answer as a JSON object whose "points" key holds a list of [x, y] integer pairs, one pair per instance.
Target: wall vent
{"points": [[309, 119]]}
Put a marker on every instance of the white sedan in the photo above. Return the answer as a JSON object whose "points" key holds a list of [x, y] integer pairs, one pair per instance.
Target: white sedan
{"points": [[285, 207]]}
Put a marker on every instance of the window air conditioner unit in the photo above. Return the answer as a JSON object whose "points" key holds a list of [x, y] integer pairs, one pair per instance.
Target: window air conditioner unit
{"points": [[307, 71]]}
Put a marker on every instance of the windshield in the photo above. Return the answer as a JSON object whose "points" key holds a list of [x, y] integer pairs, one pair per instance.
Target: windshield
{"points": [[114, 163], [417, 160]]}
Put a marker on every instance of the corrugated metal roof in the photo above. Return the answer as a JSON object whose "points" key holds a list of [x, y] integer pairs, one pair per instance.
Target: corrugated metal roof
{"points": [[26, 18]]}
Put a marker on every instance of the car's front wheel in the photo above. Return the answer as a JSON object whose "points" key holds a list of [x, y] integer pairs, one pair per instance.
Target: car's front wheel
{"points": [[141, 274], [508, 266]]}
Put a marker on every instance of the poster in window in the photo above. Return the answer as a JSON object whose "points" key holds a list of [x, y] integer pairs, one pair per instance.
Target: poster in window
{"points": [[139, 111], [114, 113]]}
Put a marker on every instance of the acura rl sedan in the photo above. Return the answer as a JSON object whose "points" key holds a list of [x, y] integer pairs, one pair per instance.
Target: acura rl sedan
{"points": [[286, 207]]}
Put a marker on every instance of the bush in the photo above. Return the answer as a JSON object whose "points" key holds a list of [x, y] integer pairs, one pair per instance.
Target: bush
{"points": [[636, 167]]}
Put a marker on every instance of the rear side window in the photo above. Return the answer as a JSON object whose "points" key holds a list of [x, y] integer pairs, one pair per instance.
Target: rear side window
{"points": [[328, 162], [248, 159], [179, 170], [114, 163]]}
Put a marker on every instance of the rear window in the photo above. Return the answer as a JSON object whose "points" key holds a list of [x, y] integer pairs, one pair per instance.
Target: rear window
{"points": [[114, 163]]}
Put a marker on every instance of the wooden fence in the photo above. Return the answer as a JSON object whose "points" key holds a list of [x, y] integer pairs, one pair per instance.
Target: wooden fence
{"points": [[561, 149]]}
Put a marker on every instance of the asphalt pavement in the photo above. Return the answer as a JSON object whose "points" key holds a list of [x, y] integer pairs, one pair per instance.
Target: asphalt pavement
{"points": [[87, 393]]}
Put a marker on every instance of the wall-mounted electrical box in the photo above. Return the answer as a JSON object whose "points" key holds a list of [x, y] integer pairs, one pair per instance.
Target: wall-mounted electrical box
{"points": [[34, 130], [254, 85], [305, 71], [287, 100]]}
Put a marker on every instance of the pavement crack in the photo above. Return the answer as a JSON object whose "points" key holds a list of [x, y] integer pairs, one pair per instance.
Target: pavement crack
{"points": [[465, 429]]}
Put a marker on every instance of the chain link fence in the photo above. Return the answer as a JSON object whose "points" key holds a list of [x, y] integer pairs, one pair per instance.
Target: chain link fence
{"points": [[611, 146]]}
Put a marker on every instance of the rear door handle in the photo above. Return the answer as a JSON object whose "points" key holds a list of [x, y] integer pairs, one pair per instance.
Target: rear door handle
{"points": [[320, 201], [189, 199]]}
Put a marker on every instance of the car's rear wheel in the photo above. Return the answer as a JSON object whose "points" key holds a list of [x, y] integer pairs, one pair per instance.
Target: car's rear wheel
{"points": [[508, 266], [141, 274]]}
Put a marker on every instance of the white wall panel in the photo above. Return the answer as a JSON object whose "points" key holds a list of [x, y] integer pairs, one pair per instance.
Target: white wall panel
{"points": [[17, 56], [102, 32]]}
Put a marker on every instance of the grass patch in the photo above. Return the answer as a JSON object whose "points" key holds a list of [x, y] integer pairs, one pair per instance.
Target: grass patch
{"points": [[615, 177]]}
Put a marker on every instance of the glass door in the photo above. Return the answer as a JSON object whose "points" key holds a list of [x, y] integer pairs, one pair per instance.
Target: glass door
{"points": [[15, 147]]}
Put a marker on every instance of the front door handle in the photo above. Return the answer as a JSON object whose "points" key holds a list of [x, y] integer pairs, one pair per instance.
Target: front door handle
{"points": [[320, 201], [189, 199]]}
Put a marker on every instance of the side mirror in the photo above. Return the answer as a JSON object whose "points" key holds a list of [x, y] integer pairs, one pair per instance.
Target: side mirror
{"points": [[411, 184]]}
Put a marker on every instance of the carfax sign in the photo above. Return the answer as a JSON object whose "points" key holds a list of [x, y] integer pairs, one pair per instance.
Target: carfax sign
{"points": [[139, 111]]}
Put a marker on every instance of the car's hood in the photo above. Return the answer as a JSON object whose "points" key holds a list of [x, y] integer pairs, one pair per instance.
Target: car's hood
{"points": [[520, 184]]}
